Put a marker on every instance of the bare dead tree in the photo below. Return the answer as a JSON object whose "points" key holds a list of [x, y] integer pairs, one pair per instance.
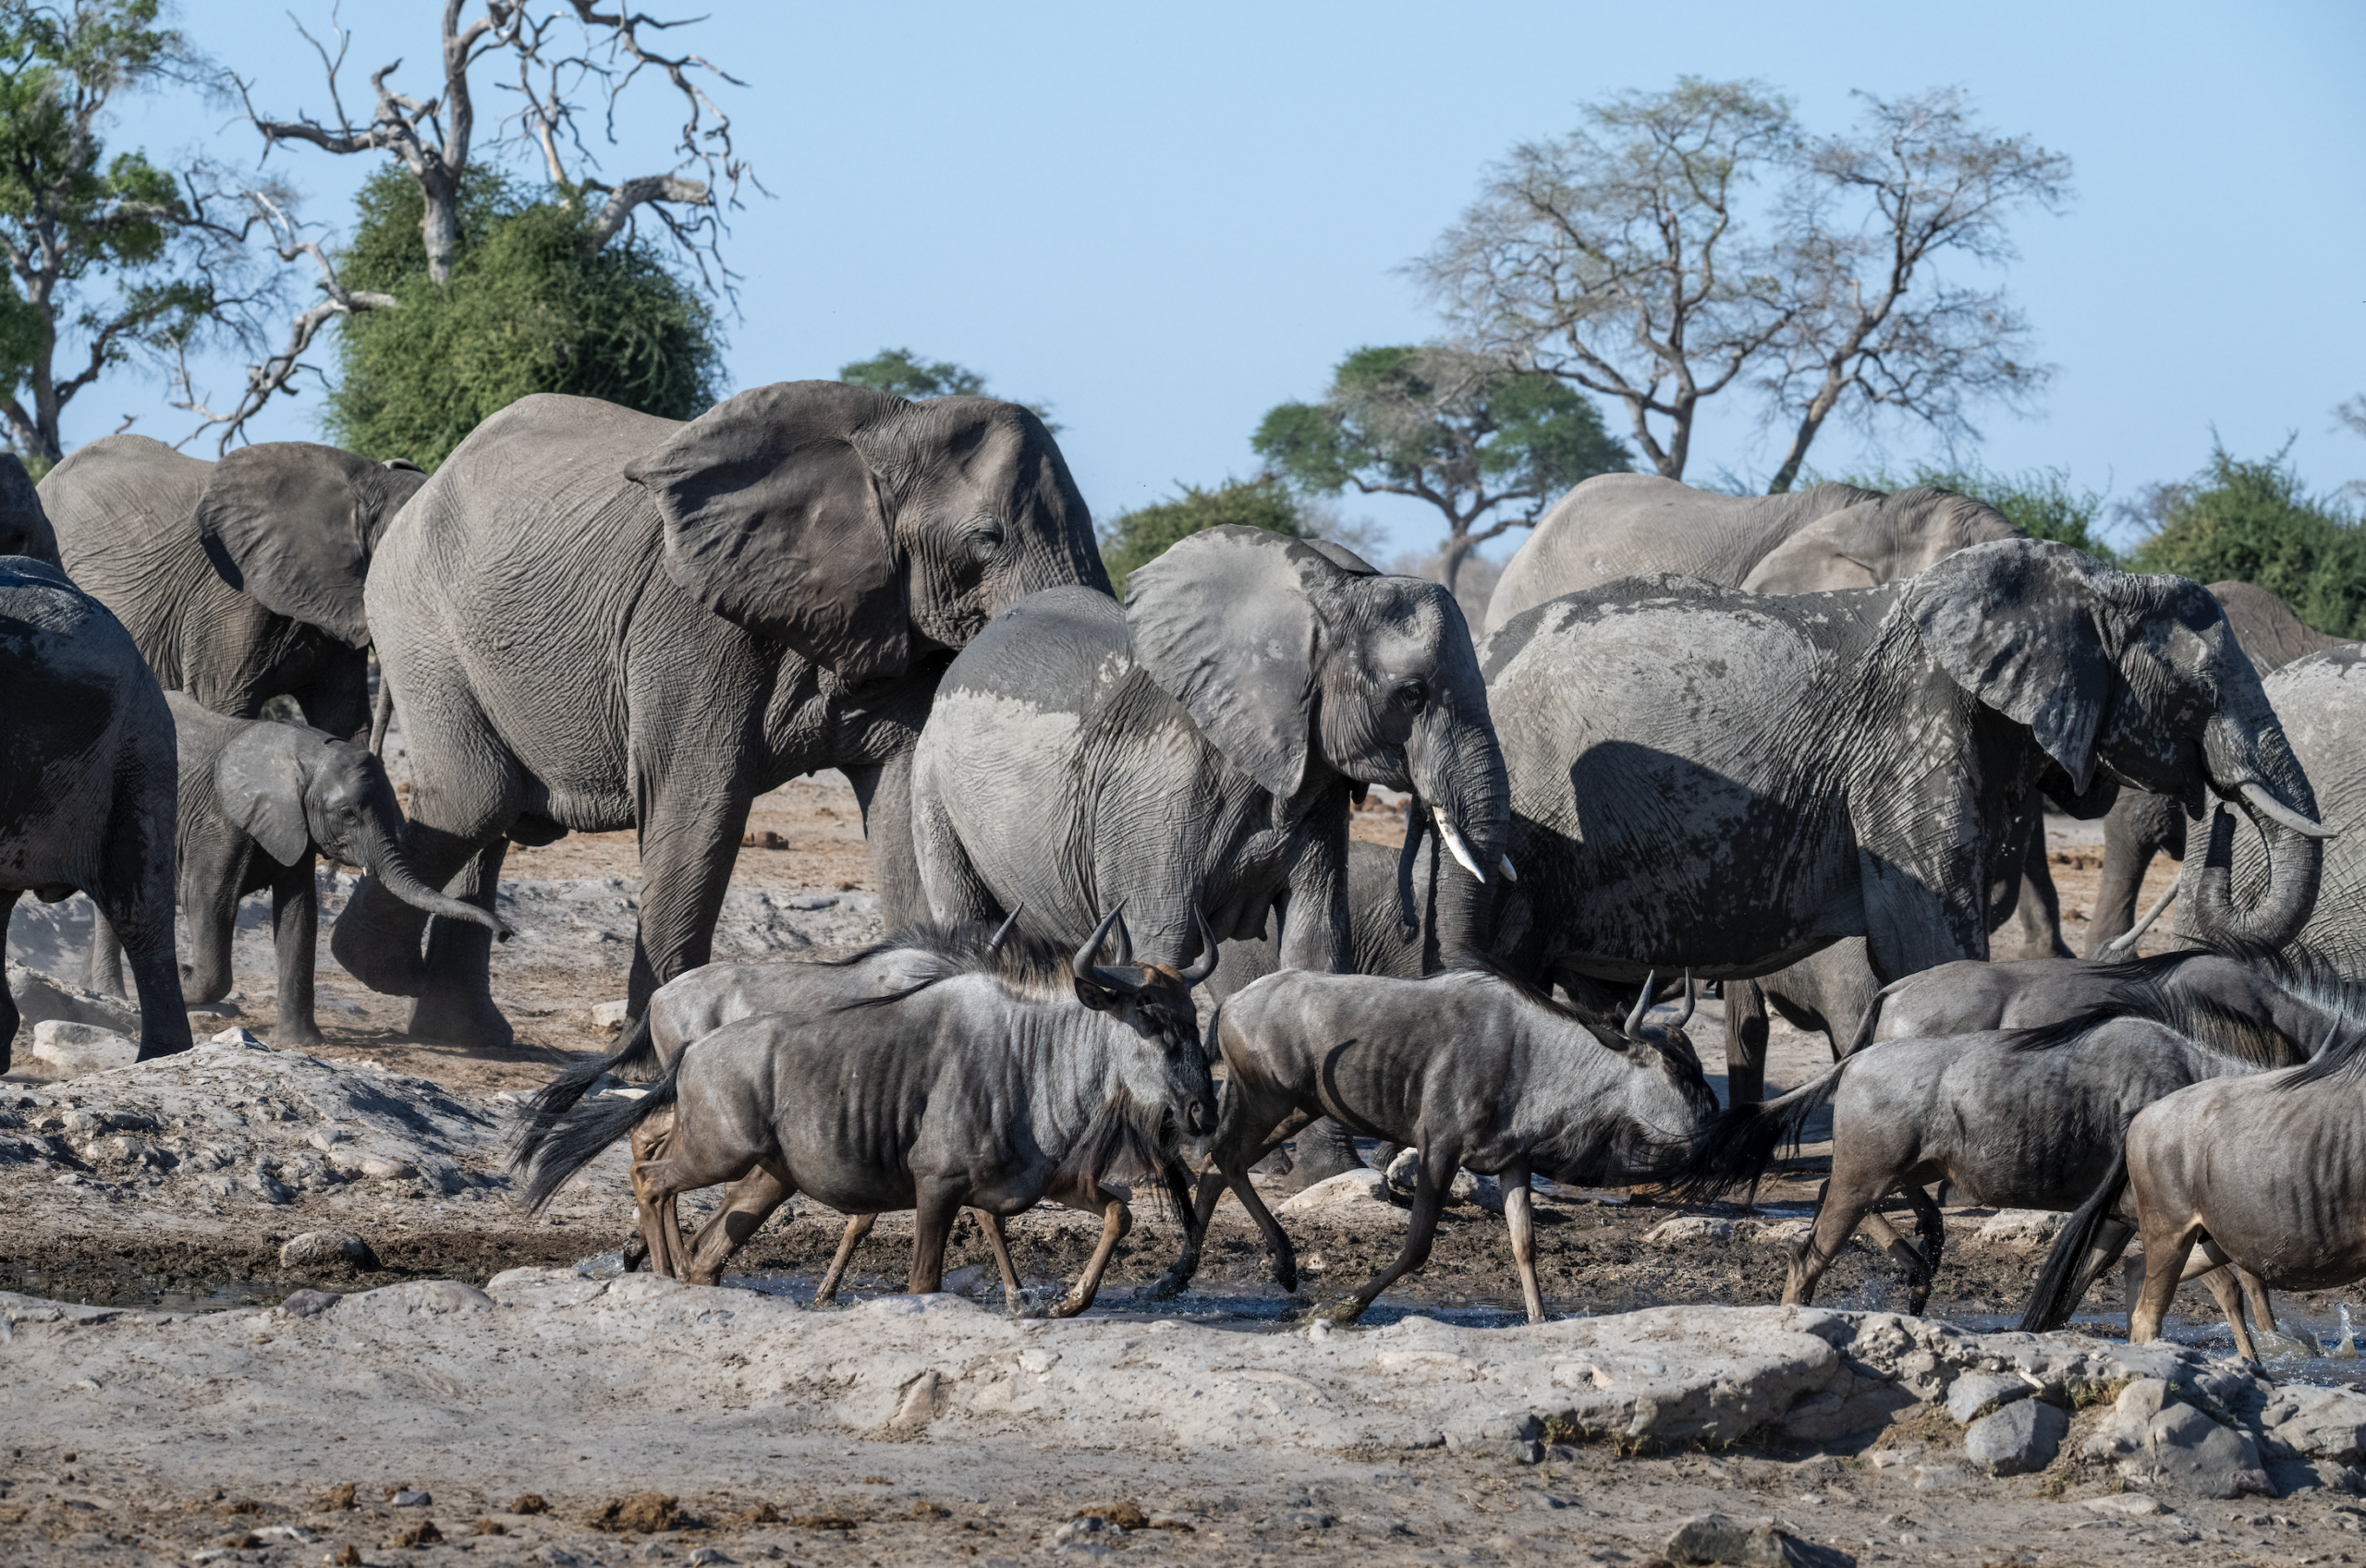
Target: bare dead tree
{"points": [[1615, 258], [1872, 331]]}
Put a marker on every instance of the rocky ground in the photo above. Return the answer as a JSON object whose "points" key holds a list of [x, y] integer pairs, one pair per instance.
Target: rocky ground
{"points": [[183, 1184]]}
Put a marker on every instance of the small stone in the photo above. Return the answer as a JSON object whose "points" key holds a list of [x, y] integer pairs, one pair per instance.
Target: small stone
{"points": [[1358, 1192], [1690, 1228], [311, 1304], [612, 1016], [2124, 1505], [710, 1557], [323, 1249], [411, 1499], [1715, 1538], [1299, 1519], [379, 1169], [237, 1038], [2022, 1230], [529, 1502], [75, 1050], [2023, 1436], [1967, 1394]]}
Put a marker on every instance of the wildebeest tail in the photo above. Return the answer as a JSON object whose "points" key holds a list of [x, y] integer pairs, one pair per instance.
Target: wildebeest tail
{"points": [[2055, 1297], [577, 1137], [555, 1099], [1873, 1018], [1735, 1149]]}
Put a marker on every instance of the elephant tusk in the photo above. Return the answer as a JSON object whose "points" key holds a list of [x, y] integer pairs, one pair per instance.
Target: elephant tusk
{"points": [[1457, 846], [1510, 875], [2267, 805], [2160, 906]]}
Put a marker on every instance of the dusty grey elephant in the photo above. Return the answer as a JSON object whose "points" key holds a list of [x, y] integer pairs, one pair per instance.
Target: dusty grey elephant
{"points": [[2142, 824], [595, 619], [1727, 783], [258, 801], [240, 580], [86, 798], [1193, 754], [24, 527]]}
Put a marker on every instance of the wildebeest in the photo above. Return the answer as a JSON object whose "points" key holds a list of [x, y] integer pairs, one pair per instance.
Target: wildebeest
{"points": [[1014, 1078], [2015, 1118], [1469, 1067]]}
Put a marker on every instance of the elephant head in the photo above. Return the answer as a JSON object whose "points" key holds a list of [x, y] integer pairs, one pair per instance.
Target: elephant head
{"points": [[24, 527], [289, 787], [862, 528], [1881, 540], [292, 524], [1297, 660], [2141, 678]]}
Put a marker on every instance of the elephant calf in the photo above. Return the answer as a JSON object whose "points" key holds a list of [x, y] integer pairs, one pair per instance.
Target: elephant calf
{"points": [[258, 800]]}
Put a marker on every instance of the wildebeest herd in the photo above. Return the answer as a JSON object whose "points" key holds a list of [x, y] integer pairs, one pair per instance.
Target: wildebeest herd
{"points": [[1796, 747]]}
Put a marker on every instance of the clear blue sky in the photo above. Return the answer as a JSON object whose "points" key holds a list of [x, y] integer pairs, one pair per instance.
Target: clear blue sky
{"points": [[1165, 222]]}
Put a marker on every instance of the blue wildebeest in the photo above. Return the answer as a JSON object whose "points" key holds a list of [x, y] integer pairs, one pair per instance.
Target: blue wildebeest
{"points": [[2014, 1118], [1008, 1077], [1468, 1067]]}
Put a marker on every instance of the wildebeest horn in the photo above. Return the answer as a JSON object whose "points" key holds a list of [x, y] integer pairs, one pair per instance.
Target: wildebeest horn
{"points": [[1634, 1030], [1205, 963], [1686, 1016], [1002, 932], [2267, 805], [1125, 937], [1086, 969]]}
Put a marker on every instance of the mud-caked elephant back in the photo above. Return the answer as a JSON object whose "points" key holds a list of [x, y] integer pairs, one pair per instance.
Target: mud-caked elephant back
{"points": [[292, 525], [773, 520], [1226, 624]]}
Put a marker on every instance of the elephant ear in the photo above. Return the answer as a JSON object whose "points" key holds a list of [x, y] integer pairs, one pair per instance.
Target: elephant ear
{"points": [[2019, 623], [773, 520], [1223, 624], [291, 523], [260, 785]]}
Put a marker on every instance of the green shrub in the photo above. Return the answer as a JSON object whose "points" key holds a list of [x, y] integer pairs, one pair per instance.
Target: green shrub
{"points": [[2254, 521], [1133, 539]]}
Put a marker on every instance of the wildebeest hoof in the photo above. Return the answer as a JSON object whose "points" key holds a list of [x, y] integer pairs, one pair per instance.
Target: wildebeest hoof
{"points": [[1166, 1287]]}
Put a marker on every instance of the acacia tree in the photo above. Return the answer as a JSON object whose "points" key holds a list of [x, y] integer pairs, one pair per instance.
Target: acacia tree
{"points": [[71, 215], [1488, 446], [568, 56]]}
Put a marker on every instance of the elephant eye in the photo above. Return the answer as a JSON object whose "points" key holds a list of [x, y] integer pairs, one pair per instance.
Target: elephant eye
{"points": [[1412, 696], [985, 540]]}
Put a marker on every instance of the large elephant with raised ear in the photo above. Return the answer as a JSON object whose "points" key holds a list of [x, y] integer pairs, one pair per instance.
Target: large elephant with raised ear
{"points": [[240, 580], [2142, 824], [595, 619], [1725, 782]]}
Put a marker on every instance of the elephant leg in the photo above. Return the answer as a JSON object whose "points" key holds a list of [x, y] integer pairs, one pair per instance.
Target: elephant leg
{"points": [[2038, 916], [454, 1004], [2133, 832], [1325, 1149], [690, 840], [950, 887], [9, 1017], [137, 900], [103, 972], [1745, 1032], [295, 926]]}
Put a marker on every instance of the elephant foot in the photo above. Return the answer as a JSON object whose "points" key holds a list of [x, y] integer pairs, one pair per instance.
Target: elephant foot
{"points": [[295, 1040], [472, 1023], [1321, 1151]]}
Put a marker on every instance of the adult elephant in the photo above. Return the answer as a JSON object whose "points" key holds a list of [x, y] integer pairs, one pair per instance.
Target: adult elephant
{"points": [[1727, 783], [1812, 541], [1192, 756], [2142, 824], [239, 580], [24, 527], [86, 798], [595, 619]]}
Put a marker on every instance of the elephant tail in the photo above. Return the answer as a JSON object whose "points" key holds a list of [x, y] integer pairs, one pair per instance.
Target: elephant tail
{"points": [[2056, 1295], [1735, 1149], [542, 1114], [578, 1137]]}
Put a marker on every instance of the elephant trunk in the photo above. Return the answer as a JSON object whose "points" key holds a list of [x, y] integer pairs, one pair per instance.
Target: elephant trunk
{"points": [[382, 856], [1459, 778], [2254, 766]]}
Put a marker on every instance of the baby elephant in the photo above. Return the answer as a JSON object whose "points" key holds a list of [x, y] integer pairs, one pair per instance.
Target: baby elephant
{"points": [[1468, 1067], [258, 799]]}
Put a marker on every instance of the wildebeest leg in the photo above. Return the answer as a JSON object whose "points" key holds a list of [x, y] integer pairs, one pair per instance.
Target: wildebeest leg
{"points": [[2229, 1296], [656, 1182], [1437, 1167], [1845, 1205], [1891, 1240], [933, 1216], [1013, 1298], [1187, 1208], [857, 1227], [648, 1143], [1277, 1241], [747, 1204], [1930, 1226], [1520, 1217], [2166, 1244], [1238, 1144], [1116, 1221]]}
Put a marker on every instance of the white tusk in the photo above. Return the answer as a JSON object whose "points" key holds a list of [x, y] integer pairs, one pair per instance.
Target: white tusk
{"points": [[2267, 805], [1454, 842], [1509, 875], [2160, 908]]}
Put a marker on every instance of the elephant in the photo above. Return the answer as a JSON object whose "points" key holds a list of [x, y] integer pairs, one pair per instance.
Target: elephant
{"points": [[2142, 824], [1812, 541], [86, 800], [24, 527], [240, 580], [258, 800], [592, 619], [1710, 780], [2322, 701], [1193, 754]]}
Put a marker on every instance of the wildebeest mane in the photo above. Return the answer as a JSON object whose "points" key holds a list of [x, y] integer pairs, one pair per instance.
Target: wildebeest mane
{"points": [[1529, 990], [2142, 992], [1121, 1142], [1026, 964]]}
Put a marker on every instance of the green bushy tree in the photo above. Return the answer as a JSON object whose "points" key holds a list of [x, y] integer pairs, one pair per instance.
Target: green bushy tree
{"points": [[1134, 539], [528, 307], [900, 371], [2254, 520]]}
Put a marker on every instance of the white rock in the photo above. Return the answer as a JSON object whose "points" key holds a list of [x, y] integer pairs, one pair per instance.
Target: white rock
{"points": [[40, 998], [1361, 1192], [236, 1037], [612, 1015], [2022, 1230], [317, 1249], [1690, 1228], [75, 1050], [2126, 1505]]}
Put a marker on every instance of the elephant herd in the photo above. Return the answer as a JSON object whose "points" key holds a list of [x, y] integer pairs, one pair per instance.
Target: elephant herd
{"points": [[1799, 745]]}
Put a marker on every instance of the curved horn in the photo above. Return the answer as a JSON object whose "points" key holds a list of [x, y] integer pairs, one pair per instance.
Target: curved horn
{"points": [[2267, 805], [1634, 1030], [1205, 964], [1452, 837], [1002, 932], [1125, 937], [1082, 964], [1686, 1016], [2127, 943]]}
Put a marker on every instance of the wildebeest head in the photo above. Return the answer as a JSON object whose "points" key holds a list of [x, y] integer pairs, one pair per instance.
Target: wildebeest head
{"points": [[1667, 1098], [1168, 1066]]}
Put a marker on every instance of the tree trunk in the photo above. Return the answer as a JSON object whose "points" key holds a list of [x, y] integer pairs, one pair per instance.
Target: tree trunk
{"points": [[440, 224]]}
